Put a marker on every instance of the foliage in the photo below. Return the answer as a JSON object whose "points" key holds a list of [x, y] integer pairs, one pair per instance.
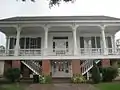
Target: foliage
{"points": [[109, 73], [45, 79], [54, 2], [78, 78], [95, 73], [13, 74], [36, 78]]}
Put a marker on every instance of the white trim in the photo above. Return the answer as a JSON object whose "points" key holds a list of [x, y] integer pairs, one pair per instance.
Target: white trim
{"points": [[60, 21], [59, 57]]}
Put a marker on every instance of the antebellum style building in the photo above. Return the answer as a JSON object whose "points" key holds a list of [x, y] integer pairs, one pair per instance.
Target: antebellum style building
{"points": [[59, 46]]}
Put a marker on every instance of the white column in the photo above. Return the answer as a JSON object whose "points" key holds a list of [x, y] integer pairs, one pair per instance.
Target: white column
{"points": [[75, 41], [46, 40], [113, 44], [17, 46], [7, 44], [104, 40]]}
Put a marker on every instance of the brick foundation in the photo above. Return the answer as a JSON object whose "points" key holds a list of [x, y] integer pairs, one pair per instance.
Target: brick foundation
{"points": [[46, 67], [16, 64], [105, 63], [25, 72], [76, 67], [7, 65]]}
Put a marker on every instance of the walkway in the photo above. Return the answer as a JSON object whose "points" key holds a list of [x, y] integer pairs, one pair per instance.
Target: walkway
{"points": [[61, 87]]}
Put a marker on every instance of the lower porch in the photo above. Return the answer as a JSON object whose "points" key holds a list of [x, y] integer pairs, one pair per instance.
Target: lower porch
{"points": [[55, 68]]}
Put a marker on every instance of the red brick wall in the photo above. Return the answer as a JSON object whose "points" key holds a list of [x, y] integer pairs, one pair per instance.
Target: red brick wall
{"points": [[7, 65], [46, 67], [76, 66], [16, 64], [25, 72], [105, 63]]}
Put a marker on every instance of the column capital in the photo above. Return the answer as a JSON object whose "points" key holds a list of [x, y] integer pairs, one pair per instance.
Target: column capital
{"points": [[18, 28], [74, 27], [103, 27], [46, 28]]}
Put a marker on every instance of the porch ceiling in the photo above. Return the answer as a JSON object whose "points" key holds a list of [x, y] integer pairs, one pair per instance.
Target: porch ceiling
{"points": [[89, 29], [32, 30], [8, 30], [97, 29], [112, 29]]}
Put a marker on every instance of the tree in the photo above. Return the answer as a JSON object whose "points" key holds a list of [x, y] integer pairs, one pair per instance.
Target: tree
{"points": [[95, 73], [54, 2]]}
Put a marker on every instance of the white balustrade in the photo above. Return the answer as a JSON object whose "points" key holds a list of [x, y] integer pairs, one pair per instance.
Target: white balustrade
{"points": [[30, 52], [60, 52], [8, 52], [91, 51], [87, 65]]}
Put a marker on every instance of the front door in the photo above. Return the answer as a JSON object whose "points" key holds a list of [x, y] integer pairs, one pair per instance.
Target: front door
{"points": [[61, 68], [60, 45]]}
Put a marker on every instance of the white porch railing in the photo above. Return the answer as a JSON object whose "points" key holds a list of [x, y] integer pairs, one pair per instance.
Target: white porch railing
{"points": [[87, 65], [113, 51], [60, 52], [8, 52], [91, 51], [30, 52]]}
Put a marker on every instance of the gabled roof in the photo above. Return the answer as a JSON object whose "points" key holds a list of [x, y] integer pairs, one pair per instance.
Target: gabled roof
{"points": [[60, 18]]}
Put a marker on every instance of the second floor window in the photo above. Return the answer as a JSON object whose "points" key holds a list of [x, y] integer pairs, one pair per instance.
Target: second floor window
{"points": [[30, 43], [12, 43]]}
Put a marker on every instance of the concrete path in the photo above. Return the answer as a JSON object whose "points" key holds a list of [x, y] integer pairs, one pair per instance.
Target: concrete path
{"points": [[61, 87]]}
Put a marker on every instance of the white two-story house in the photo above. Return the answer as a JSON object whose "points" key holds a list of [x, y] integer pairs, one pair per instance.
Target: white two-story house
{"points": [[59, 46]]}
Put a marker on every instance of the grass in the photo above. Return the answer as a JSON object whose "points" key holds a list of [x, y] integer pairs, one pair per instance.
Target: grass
{"points": [[13, 86], [108, 86]]}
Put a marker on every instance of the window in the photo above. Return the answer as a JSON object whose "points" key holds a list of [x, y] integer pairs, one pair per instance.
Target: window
{"points": [[12, 43], [81, 42], [98, 42], [30, 43], [27, 43], [60, 38], [22, 43], [93, 42], [109, 43]]}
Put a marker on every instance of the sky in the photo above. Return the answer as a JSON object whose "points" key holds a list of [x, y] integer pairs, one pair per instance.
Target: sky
{"points": [[12, 8]]}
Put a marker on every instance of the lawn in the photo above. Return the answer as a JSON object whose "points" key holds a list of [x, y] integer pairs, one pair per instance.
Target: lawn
{"points": [[108, 86], [13, 86]]}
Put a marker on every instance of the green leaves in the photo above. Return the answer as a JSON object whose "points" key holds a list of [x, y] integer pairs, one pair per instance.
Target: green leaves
{"points": [[53, 2]]}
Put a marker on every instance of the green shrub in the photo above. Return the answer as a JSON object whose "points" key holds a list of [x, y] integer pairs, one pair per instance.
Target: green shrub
{"points": [[13, 74], [45, 79], [109, 73], [35, 78], [95, 73], [78, 78]]}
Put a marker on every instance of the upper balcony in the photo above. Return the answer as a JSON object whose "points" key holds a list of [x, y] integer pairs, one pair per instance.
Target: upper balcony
{"points": [[58, 53]]}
